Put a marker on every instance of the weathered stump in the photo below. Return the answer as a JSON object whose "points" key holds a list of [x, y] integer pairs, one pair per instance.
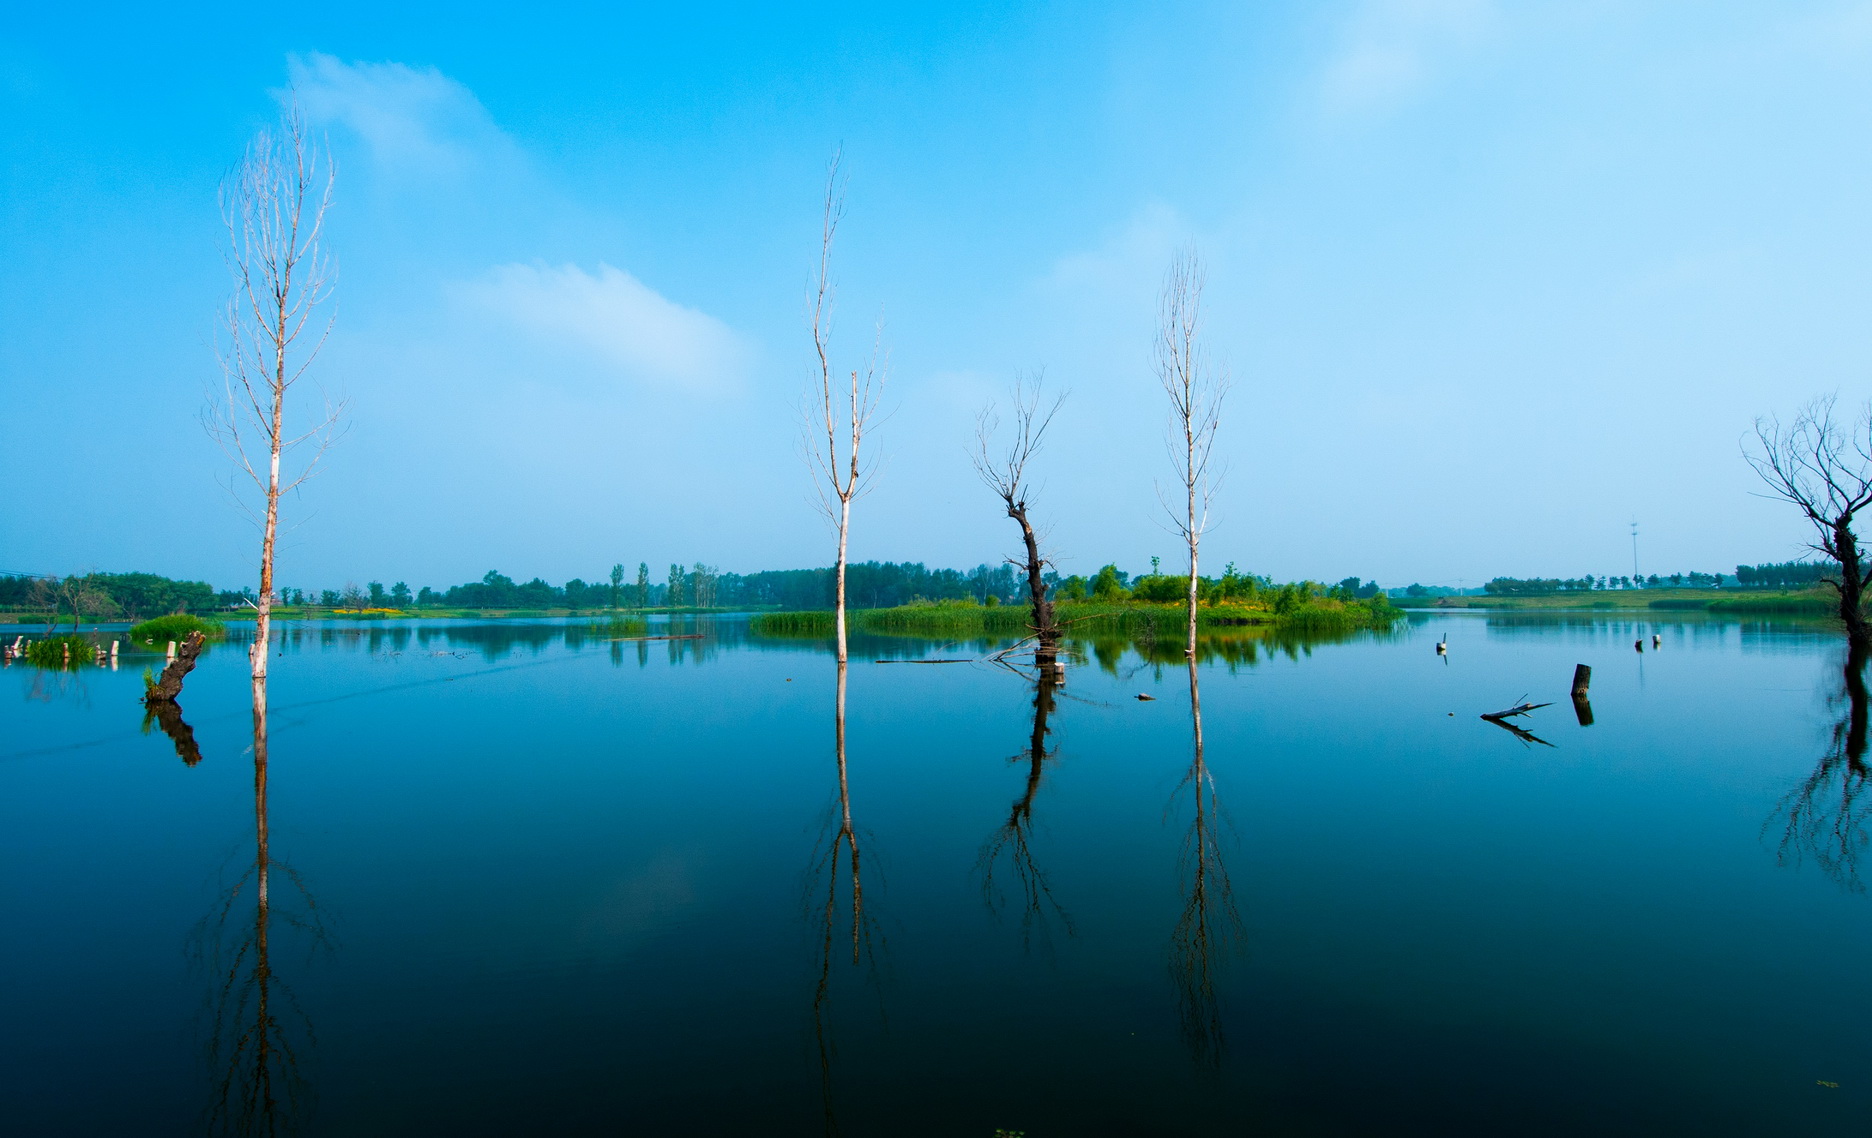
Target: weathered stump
{"points": [[169, 686]]}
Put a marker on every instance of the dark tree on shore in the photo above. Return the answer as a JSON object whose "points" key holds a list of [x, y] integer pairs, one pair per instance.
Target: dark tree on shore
{"points": [[1824, 467], [1006, 475]]}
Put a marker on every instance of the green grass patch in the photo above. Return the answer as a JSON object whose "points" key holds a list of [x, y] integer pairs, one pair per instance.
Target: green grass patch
{"points": [[620, 625], [176, 627], [63, 651], [1793, 604], [816, 623]]}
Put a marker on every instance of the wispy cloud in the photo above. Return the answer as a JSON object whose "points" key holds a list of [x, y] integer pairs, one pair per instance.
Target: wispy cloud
{"points": [[1129, 261], [616, 317], [415, 120], [1392, 46]]}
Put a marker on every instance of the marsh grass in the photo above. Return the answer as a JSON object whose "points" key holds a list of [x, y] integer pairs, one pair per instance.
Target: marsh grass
{"points": [[620, 625], [63, 651], [176, 627], [1080, 618], [815, 623]]}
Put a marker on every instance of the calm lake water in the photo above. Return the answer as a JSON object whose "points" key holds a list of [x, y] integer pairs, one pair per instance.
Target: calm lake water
{"points": [[525, 880]]}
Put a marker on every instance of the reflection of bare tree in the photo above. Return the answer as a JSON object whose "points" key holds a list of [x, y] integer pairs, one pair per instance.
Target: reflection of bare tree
{"points": [[1825, 816], [168, 715], [1209, 930], [1014, 839], [257, 1087], [838, 859]]}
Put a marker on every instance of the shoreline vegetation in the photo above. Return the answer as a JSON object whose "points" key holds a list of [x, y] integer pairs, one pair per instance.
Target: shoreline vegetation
{"points": [[1091, 617], [1817, 602]]}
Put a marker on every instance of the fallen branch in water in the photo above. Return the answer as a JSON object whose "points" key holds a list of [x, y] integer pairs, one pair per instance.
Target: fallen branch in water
{"points": [[686, 636], [958, 660], [1518, 709]]}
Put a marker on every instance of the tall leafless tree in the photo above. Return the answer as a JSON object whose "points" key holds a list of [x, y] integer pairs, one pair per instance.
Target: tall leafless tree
{"points": [[837, 413], [1005, 472], [1196, 388], [1824, 467], [274, 205]]}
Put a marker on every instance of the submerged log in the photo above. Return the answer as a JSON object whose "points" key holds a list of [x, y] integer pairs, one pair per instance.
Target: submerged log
{"points": [[1582, 679], [166, 689]]}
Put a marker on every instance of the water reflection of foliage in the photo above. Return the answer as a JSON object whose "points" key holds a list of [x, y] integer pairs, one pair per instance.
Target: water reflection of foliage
{"points": [[1825, 816], [1013, 840], [836, 874], [1232, 647], [1209, 929], [256, 1022]]}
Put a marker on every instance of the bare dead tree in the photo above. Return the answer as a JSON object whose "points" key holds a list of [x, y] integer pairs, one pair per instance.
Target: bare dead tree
{"points": [[1196, 388], [1005, 472], [274, 205], [837, 414], [1824, 467]]}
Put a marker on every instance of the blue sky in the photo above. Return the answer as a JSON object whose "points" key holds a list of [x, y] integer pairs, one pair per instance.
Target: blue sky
{"points": [[1491, 279]]}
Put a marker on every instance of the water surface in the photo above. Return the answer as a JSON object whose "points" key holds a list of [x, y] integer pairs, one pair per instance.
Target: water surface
{"points": [[523, 878]]}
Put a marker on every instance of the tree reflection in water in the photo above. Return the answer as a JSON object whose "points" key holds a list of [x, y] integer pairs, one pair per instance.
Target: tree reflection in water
{"points": [[1013, 841], [1209, 929], [836, 859], [1825, 816], [168, 716], [257, 1086]]}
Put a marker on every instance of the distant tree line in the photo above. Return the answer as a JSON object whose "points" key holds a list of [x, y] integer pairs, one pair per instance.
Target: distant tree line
{"points": [[132, 596], [1787, 574], [1769, 576]]}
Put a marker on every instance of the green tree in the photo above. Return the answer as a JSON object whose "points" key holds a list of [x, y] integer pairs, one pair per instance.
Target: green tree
{"points": [[1108, 584], [400, 595], [617, 583], [676, 578], [643, 584]]}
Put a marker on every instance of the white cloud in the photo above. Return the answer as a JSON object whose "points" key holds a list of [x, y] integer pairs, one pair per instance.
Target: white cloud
{"points": [[1131, 261], [412, 119], [616, 317], [1392, 44]]}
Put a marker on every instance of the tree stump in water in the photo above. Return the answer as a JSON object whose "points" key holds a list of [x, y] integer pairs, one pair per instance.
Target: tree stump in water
{"points": [[166, 689]]}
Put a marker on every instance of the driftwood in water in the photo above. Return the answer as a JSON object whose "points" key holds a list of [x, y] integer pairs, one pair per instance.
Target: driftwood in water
{"points": [[685, 636], [1582, 679], [166, 689], [1518, 709], [954, 660]]}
